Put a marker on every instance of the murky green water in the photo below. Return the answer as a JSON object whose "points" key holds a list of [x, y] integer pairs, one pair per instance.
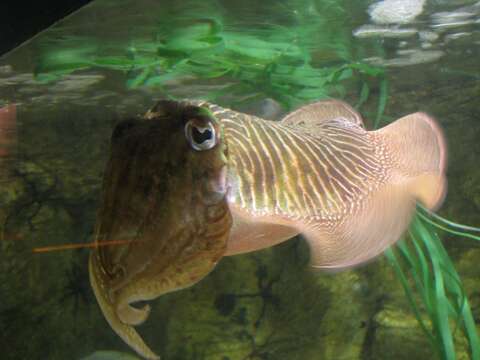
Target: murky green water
{"points": [[113, 59]]}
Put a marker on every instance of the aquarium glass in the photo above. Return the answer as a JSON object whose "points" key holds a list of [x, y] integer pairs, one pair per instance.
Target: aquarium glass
{"points": [[66, 89]]}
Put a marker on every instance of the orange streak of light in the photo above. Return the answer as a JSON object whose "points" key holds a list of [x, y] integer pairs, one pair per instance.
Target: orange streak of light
{"points": [[45, 249]]}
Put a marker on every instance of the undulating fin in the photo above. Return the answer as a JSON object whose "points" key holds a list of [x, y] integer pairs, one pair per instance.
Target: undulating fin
{"points": [[314, 115], [419, 154], [415, 153], [362, 234], [125, 331]]}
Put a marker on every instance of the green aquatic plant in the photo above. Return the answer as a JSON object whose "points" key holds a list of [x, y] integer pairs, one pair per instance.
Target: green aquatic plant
{"points": [[428, 276], [437, 288], [294, 63]]}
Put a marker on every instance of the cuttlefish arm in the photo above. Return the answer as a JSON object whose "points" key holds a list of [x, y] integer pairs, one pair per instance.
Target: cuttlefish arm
{"points": [[319, 173], [126, 331]]}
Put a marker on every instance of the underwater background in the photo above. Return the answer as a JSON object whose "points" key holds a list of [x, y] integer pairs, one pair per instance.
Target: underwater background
{"points": [[113, 59]]}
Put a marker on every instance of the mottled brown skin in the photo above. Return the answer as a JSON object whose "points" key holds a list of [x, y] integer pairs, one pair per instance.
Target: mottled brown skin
{"points": [[350, 192], [169, 200]]}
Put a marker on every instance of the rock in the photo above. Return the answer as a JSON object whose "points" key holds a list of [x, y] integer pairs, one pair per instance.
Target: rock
{"points": [[450, 24], [429, 36], [265, 108], [395, 11], [344, 325], [397, 335], [408, 57], [369, 31], [455, 36]]}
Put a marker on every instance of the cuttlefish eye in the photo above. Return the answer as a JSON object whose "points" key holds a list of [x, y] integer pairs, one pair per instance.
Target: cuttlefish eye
{"points": [[200, 137]]}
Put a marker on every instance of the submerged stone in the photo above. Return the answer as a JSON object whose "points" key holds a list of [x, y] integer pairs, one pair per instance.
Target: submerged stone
{"points": [[369, 31], [408, 57], [395, 11], [451, 37], [453, 23], [428, 36]]}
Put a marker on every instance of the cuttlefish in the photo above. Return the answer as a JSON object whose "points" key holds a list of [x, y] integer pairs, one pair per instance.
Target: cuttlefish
{"points": [[191, 182]]}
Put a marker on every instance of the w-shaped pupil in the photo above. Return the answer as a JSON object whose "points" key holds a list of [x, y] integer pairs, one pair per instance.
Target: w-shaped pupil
{"points": [[199, 137]]}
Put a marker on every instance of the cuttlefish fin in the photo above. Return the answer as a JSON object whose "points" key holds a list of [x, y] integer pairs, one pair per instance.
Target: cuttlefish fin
{"points": [[312, 116], [364, 234], [109, 310], [420, 151], [418, 156]]}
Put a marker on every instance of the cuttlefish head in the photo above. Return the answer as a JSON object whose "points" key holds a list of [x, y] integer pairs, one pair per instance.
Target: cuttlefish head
{"points": [[164, 204]]}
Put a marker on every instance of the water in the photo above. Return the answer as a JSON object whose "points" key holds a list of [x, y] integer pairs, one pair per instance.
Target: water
{"points": [[113, 59]]}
